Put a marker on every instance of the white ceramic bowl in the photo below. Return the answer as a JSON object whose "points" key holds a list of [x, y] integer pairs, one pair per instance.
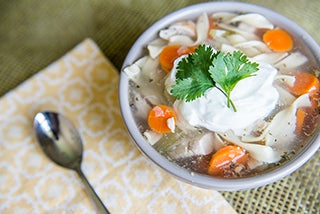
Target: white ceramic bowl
{"points": [[201, 180]]}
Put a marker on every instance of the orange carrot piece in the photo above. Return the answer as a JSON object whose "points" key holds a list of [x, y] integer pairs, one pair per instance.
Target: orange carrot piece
{"points": [[306, 120], [171, 53], [300, 119], [278, 40], [158, 118], [225, 158], [304, 83]]}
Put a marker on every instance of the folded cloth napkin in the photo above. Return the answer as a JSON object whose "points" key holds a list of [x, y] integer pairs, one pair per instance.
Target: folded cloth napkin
{"points": [[82, 85]]}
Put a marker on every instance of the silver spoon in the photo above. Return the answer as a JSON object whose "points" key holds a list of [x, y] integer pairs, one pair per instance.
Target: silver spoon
{"points": [[61, 142]]}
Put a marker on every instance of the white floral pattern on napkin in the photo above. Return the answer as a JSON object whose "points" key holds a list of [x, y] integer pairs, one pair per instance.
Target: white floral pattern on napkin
{"points": [[83, 86]]}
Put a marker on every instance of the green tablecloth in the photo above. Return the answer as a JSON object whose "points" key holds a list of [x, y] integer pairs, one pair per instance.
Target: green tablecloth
{"points": [[35, 33]]}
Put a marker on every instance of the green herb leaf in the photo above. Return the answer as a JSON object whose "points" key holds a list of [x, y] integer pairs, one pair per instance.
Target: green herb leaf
{"points": [[227, 70], [204, 69], [193, 78]]}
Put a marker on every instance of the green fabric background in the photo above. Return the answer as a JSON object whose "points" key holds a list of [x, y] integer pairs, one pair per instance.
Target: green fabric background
{"points": [[34, 33]]}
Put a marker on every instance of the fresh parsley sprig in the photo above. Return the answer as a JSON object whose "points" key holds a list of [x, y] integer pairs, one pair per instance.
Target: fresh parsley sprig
{"points": [[205, 69], [193, 77]]}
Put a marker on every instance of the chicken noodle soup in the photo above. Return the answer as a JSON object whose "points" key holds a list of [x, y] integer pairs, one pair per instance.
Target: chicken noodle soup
{"points": [[227, 94]]}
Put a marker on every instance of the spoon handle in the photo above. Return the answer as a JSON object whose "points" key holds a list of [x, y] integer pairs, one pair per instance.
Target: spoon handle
{"points": [[99, 205]]}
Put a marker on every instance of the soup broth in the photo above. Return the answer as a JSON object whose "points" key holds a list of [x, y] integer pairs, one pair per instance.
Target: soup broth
{"points": [[275, 112]]}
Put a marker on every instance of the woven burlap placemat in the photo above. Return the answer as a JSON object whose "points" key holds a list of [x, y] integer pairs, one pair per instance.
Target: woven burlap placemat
{"points": [[35, 33]]}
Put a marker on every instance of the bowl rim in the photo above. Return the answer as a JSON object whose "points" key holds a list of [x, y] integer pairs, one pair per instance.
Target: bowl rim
{"points": [[202, 180]]}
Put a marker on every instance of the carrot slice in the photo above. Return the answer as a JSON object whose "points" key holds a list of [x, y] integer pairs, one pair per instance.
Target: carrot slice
{"points": [[225, 159], [306, 83], [170, 53], [307, 119], [158, 118], [278, 40], [300, 119]]}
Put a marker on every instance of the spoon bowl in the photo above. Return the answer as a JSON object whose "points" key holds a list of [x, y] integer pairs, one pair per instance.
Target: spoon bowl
{"points": [[61, 142], [59, 139]]}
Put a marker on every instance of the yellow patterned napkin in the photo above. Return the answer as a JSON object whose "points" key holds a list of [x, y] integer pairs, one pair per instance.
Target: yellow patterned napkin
{"points": [[83, 86]]}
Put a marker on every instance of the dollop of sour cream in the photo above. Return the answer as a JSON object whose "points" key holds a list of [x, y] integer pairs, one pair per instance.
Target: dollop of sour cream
{"points": [[254, 97]]}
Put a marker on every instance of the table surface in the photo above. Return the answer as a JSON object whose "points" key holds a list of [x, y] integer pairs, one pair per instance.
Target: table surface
{"points": [[34, 34]]}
